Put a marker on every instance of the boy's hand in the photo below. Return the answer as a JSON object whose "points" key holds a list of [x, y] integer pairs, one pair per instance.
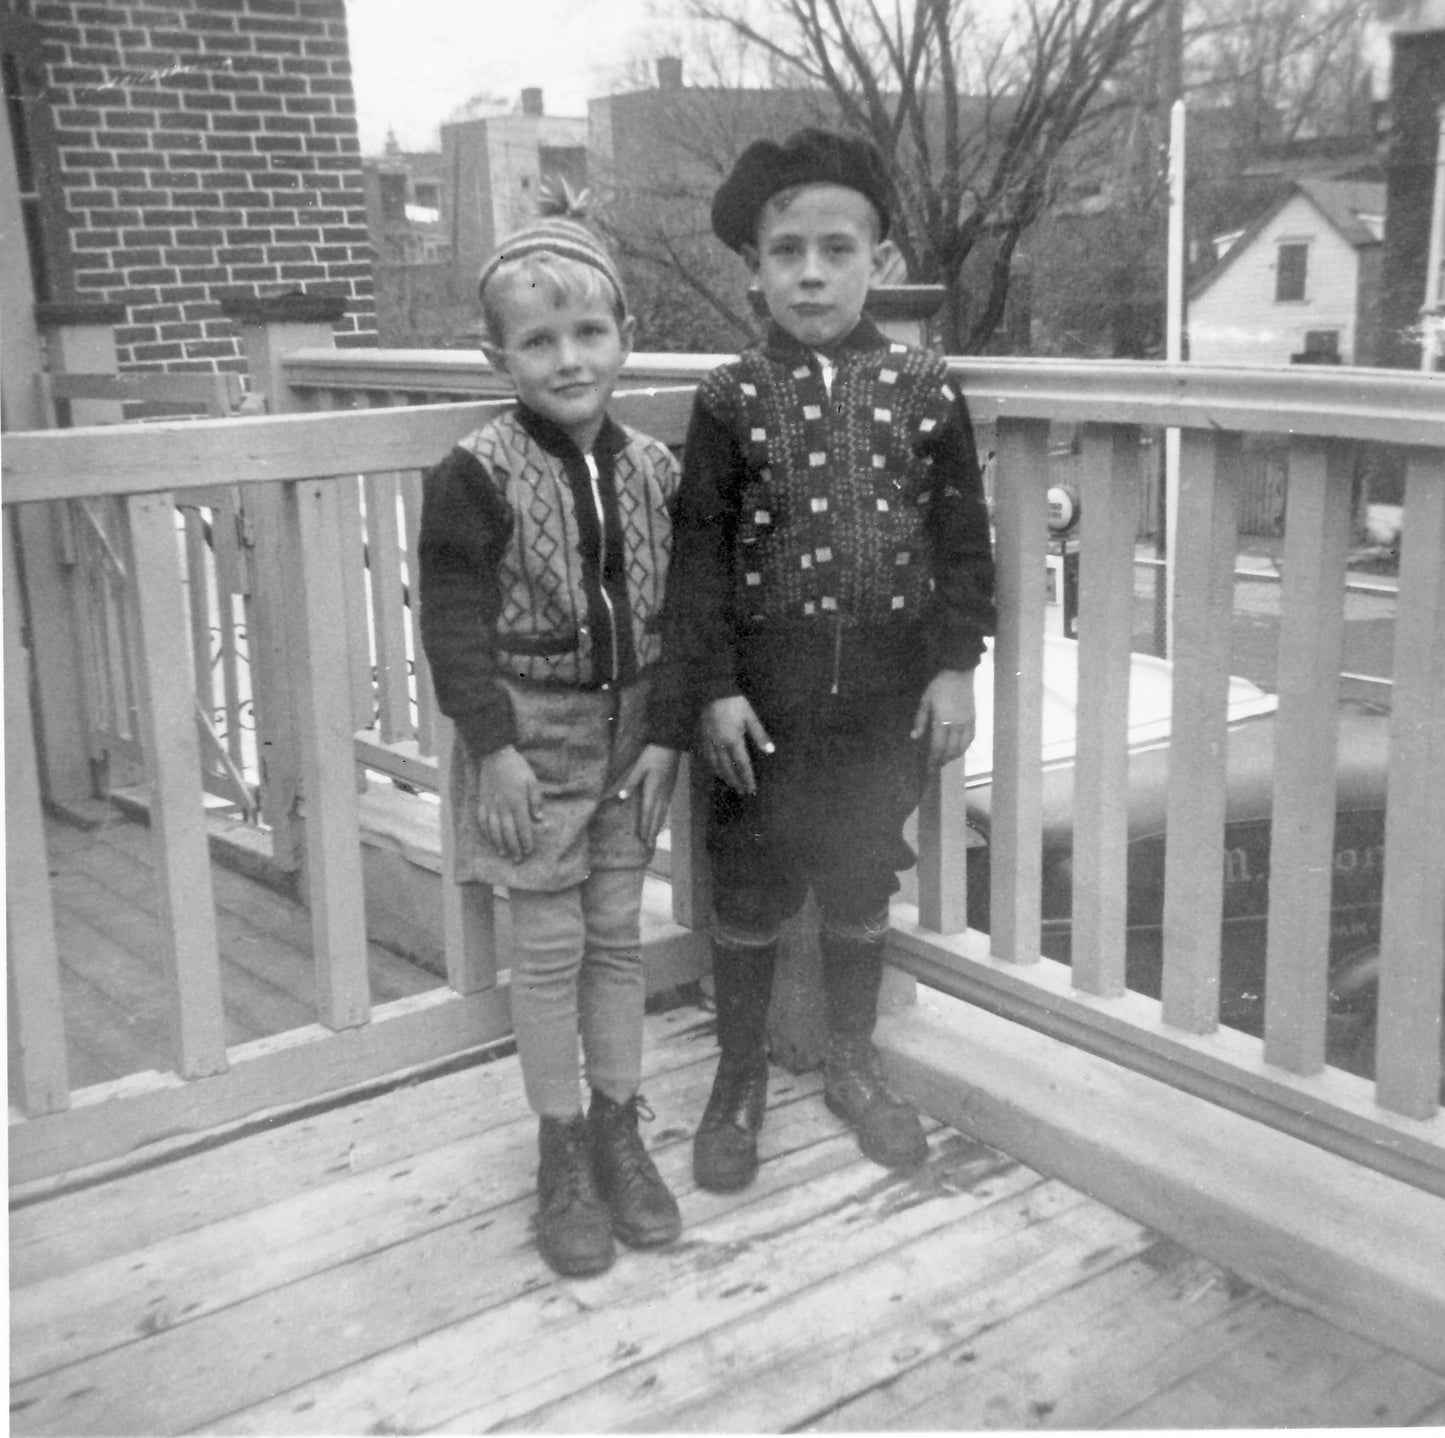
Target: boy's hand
{"points": [[727, 725], [510, 805], [654, 772], [946, 715]]}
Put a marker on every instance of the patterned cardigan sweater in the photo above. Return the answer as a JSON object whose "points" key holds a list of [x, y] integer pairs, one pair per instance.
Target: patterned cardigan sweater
{"points": [[828, 544], [542, 564]]}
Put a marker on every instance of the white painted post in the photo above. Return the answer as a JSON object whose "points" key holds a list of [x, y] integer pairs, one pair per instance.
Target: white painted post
{"points": [[1174, 354]]}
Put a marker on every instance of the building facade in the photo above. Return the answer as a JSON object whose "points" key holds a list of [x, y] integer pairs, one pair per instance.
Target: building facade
{"points": [[172, 157], [1300, 285]]}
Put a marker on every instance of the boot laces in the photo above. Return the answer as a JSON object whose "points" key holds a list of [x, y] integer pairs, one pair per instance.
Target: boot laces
{"points": [[632, 1163]]}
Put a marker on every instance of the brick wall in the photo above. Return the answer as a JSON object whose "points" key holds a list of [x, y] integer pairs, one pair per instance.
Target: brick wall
{"points": [[208, 149]]}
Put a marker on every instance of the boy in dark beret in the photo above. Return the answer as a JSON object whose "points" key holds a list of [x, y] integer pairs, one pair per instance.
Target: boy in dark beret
{"points": [[830, 591]]}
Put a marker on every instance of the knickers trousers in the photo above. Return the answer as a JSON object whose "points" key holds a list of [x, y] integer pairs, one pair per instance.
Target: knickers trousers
{"points": [[578, 970]]}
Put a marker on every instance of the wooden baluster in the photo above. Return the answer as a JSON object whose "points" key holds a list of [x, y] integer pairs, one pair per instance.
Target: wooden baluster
{"points": [[199, 615], [426, 715], [1194, 820], [943, 852], [167, 716], [1412, 938], [469, 912], [689, 873], [1301, 851], [1108, 502], [319, 679], [1015, 844], [230, 581], [38, 1065], [388, 619]]}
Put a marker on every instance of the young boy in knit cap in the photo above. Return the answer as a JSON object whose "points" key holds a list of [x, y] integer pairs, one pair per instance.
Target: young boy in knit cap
{"points": [[830, 591], [543, 554]]}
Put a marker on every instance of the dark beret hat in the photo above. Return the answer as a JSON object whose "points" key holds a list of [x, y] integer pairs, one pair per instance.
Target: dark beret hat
{"points": [[810, 157]]}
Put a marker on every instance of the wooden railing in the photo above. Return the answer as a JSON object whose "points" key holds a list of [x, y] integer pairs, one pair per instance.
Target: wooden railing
{"points": [[319, 530]]}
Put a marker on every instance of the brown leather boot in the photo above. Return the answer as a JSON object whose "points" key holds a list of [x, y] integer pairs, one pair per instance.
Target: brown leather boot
{"points": [[888, 1128], [574, 1228], [644, 1212], [725, 1151]]}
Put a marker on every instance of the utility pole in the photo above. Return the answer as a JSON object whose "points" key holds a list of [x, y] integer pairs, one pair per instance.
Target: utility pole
{"points": [[1171, 104]]}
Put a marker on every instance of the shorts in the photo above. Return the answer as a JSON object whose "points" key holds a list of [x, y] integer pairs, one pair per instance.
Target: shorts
{"points": [[580, 744]]}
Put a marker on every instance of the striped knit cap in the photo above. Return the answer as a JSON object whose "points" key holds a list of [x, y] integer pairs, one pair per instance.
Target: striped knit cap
{"points": [[561, 231]]}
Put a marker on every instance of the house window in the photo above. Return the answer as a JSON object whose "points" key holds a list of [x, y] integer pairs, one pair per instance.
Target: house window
{"points": [[1289, 275], [427, 194], [393, 197]]}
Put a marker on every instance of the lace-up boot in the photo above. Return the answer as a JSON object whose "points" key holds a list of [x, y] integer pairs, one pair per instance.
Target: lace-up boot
{"points": [[725, 1151], [644, 1212], [574, 1229], [887, 1127]]}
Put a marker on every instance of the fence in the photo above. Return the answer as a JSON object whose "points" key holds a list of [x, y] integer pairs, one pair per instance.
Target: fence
{"points": [[316, 535]]}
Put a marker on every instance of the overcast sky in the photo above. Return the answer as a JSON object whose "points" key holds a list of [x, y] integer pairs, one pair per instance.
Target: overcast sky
{"points": [[415, 61]]}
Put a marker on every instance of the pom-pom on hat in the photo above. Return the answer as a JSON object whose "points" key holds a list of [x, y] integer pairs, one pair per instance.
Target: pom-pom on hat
{"points": [[809, 157], [559, 230]]}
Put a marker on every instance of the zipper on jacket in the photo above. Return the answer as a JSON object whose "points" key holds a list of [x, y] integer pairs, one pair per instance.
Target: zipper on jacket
{"points": [[837, 650], [593, 475]]}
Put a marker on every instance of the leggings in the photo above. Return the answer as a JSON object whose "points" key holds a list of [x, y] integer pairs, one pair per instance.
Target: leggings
{"points": [[577, 968]]}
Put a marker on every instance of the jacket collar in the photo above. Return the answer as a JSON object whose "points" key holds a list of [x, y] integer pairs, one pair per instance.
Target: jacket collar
{"points": [[780, 345], [556, 441]]}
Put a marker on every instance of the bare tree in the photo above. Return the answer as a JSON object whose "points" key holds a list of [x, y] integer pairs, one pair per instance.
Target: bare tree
{"points": [[972, 114]]}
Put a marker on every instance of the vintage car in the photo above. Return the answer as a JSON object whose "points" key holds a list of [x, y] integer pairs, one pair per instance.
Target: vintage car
{"points": [[1358, 841]]}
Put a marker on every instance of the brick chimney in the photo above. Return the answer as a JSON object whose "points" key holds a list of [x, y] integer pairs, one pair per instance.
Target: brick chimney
{"points": [[532, 100], [669, 72]]}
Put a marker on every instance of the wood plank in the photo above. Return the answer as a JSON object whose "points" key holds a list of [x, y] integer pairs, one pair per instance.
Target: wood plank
{"points": [[277, 739], [469, 911], [277, 927], [388, 619], [62, 743], [1194, 821], [54, 1235], [351, 551], [38, 1067], [1101, 788], [1296, 1372], [268, 1074], [740, 1254], [1412, 938], [943, 845], [319, 679], [240, 1355], [689, 872], [1007, 1374], [1209, 1178], [425, 698], [1302, 829], [173, 762], [56, 1322], [1015, 849], [862, 1327]]}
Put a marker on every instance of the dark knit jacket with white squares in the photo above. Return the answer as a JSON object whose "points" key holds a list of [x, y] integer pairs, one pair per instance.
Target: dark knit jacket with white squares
{"points": [[831, 541]]}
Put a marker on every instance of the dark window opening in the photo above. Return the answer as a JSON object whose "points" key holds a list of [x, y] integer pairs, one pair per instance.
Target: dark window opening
{"points": [[1289, 278]]}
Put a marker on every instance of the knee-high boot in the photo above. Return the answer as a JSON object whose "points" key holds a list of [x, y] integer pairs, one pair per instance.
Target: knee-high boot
{"points": [[887, 1126], [725, 1151]]}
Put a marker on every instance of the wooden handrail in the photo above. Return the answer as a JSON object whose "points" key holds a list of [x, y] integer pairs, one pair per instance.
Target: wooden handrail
{"points": [[314, 460]]}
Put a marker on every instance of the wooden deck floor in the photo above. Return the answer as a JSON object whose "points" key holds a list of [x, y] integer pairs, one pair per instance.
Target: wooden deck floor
{"points": [[113, 984], [371, 1268]]}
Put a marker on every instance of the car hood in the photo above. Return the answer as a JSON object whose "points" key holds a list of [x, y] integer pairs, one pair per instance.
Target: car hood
{"points": [[1151, 683]]}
